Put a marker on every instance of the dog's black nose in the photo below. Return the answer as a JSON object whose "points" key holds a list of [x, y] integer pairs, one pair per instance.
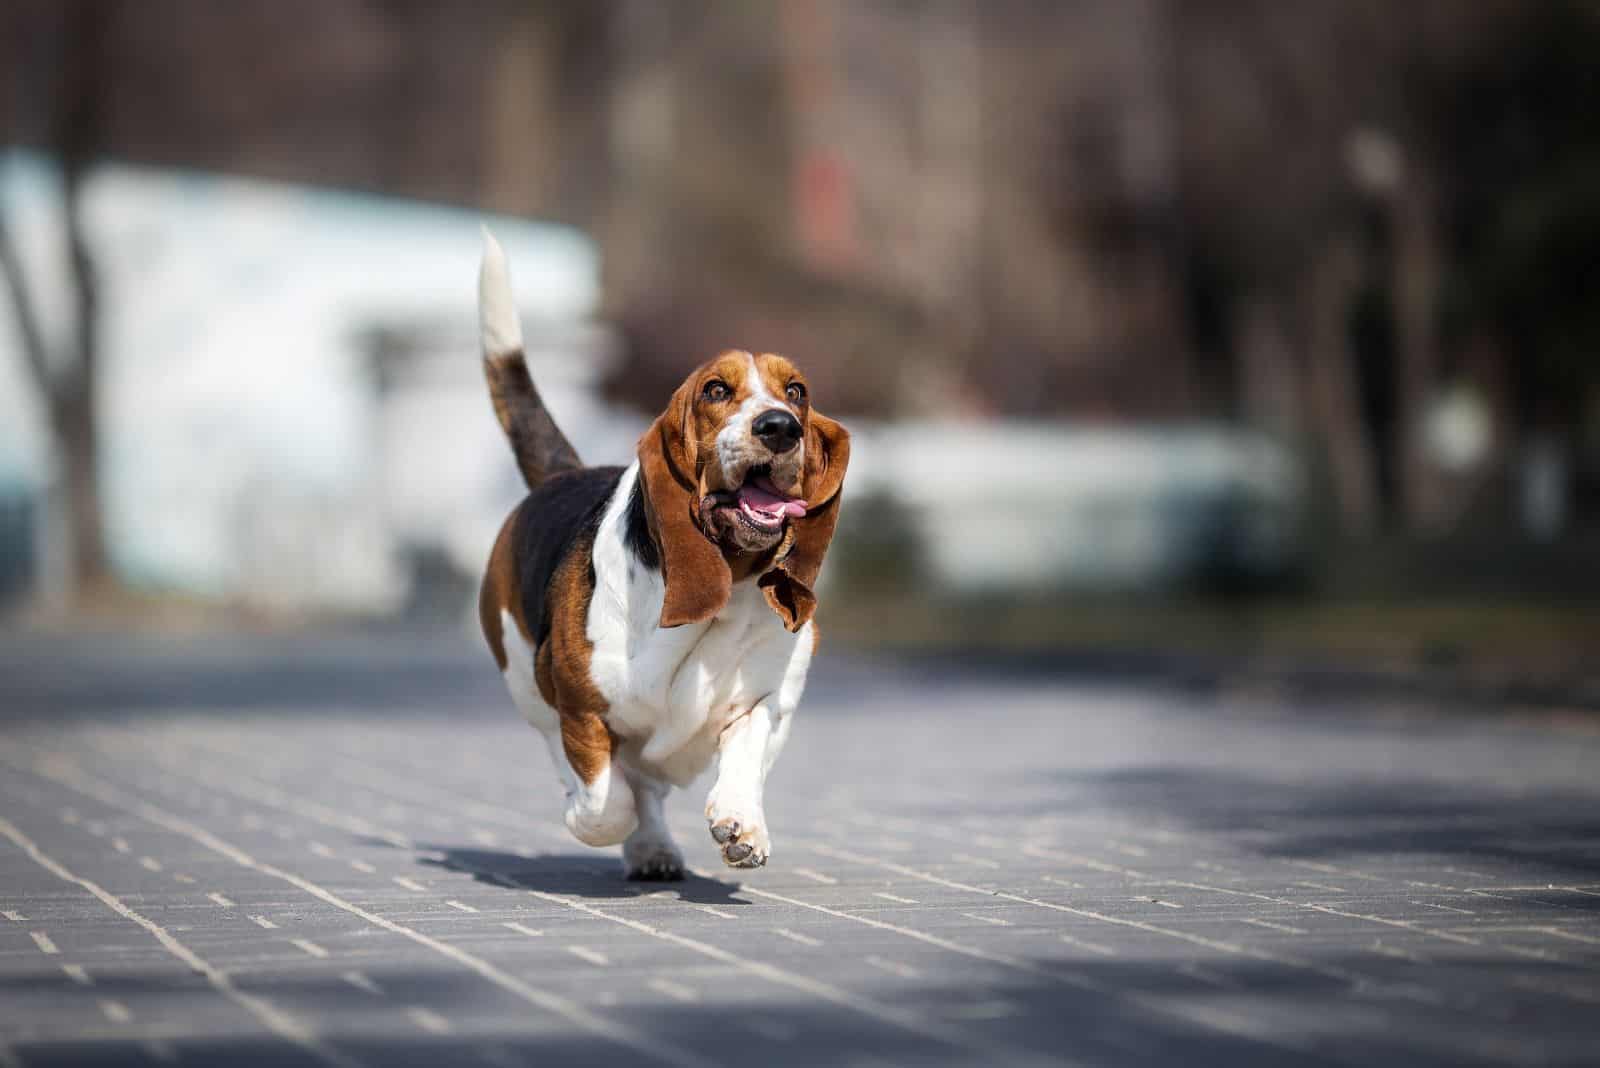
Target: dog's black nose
{"points": [[777, 429]]}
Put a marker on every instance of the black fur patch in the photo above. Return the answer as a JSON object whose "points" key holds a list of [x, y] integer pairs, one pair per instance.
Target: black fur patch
{"points": [[638, 533], [552, 521]]}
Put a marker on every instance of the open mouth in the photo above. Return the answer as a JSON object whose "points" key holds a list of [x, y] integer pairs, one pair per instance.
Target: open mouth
{"points": [[760, 504]]}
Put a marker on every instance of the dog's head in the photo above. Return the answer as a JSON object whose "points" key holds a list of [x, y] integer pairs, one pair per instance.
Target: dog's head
{"points": [[742, 478]]}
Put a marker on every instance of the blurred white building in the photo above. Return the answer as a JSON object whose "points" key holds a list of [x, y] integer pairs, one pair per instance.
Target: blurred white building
{"points": [[294, 414], [247, 451], [1014, 507]]}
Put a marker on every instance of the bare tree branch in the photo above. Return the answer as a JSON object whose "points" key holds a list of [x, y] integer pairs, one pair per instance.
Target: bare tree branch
{"points": [[82, 102], [85, 282], [33, 342]]}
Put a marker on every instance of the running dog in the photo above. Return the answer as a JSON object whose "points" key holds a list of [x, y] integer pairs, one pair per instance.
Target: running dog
{"points": [[653, 618]]}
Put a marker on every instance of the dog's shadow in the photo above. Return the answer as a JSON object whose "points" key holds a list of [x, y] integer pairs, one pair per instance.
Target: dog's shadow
{"points": [[577, 874]]}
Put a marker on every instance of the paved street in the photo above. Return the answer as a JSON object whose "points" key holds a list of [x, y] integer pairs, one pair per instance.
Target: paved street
{"points": [[347, 851]]}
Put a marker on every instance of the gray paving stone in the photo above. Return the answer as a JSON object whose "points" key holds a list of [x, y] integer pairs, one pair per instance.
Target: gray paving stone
{"points": [[361, 844]]}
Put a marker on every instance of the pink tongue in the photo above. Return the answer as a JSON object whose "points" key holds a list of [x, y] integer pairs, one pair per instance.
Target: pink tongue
{"points": [[762, 496]]}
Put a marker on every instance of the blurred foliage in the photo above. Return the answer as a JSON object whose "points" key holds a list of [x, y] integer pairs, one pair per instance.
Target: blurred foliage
{"points": [[877, 548], [1313, 219], [1459, 633], [1520, 134]]}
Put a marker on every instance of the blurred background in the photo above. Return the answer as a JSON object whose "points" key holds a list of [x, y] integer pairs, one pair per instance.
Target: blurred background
{"points": [[1246, 328]]}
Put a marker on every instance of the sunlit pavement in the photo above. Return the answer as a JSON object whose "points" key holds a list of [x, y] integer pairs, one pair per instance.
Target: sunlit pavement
{"points": [[347, 850]]}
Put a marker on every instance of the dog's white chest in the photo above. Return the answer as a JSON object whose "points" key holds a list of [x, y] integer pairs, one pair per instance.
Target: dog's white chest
{"points": [[672, 691]]}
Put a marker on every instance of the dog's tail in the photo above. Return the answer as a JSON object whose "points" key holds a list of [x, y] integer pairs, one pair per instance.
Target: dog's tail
{"points": [[540, 447]]}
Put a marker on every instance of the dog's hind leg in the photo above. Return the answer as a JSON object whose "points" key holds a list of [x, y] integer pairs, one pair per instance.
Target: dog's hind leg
{"points": [[599, 809], [650, 854]]}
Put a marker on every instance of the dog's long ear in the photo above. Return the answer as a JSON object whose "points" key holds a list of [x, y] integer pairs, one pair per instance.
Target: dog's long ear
{"points": [[698, 581], [789, 586]]}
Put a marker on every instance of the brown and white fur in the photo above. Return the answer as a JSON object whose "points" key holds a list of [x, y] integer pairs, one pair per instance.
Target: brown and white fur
{"points": [[647, 620]]}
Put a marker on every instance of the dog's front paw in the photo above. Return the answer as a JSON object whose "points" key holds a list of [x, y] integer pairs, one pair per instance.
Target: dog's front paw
{"points": [[743, 837]]}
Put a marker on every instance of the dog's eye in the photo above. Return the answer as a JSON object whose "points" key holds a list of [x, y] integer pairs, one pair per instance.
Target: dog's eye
{"points": [[716, 391], [796, 393]]}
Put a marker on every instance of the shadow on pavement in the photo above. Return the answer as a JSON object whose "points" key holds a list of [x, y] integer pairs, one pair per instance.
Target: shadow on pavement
{"points": [[1555, 832], [447, 672], [126, 676], [580, 875], [1144, 1011]]}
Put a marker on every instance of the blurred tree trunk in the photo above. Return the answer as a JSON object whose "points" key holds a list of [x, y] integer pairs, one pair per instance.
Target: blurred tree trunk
{"points": [[1270, 391], [68, 394], [66, 379], [72, 410], [1415, 281], [1333, 392], [523, 119]]}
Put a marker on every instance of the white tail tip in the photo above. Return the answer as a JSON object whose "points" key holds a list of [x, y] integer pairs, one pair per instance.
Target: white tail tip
{"points": [[497, 308]]}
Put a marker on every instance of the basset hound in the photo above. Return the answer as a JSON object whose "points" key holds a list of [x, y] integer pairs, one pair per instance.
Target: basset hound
{"points": [[652, 618]]}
